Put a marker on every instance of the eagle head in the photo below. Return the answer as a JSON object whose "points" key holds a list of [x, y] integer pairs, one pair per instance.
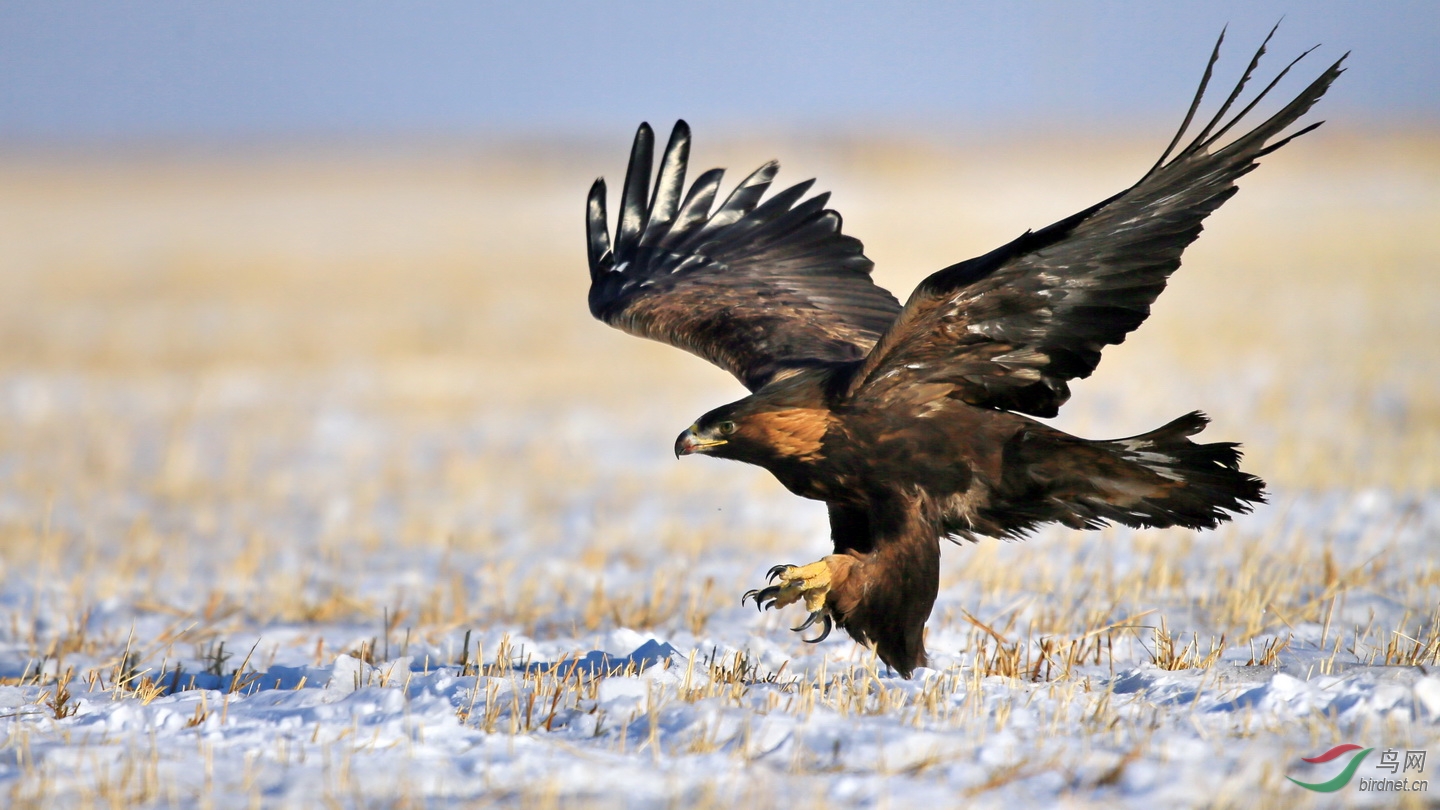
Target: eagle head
{"points": [[758, 435], [716, 433]]}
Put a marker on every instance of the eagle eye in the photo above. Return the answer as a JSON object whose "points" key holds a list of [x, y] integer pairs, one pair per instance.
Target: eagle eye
{"points": [[726, 428]]}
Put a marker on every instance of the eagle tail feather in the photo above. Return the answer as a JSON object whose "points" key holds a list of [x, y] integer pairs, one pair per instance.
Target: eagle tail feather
{"points": [[1164, 479]]}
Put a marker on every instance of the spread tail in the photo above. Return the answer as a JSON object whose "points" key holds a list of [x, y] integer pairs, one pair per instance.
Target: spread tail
{"points": [[1153, 480], [1164, 479]]}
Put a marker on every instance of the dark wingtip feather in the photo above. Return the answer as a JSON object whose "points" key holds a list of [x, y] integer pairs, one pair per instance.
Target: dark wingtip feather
{"points": [[695, 209], [745, 196], [1312, 94], [1235, 93], [1297, 107], [633, 198], [1288, 138], [1194, 102], [597, 227], [1207, 142], [669, 183], [1218, 126]]}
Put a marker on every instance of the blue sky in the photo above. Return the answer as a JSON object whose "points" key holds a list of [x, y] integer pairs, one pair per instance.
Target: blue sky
{"points": [[111, 72]]}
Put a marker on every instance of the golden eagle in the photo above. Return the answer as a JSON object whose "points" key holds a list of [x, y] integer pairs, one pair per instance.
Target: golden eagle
{"points": [[909, 422]]}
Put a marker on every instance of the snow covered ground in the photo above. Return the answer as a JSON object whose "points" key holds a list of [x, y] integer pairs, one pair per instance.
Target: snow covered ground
{"points": [[319, 487]]}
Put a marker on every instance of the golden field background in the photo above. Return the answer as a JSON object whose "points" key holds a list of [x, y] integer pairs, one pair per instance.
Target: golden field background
{"points": [[201, 327], [322, 397], [453, 279], [255, 349]]}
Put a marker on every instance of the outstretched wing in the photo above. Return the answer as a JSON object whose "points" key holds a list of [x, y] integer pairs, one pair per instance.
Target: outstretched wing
{"points": [[757, 289], [1008, 329]]}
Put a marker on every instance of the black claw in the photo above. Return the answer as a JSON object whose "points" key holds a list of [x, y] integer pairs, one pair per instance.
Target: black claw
{"points": [[829, 625], [809, 621], [764, 598]]}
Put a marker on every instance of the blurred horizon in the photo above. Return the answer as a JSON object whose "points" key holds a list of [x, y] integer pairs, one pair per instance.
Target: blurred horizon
{"points": [[172, 74]]}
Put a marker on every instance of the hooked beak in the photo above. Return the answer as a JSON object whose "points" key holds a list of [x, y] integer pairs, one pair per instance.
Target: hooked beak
{"points": [[691, 442]]}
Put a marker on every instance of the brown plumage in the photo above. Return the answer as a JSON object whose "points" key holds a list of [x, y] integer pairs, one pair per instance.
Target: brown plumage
{"points": [[909, 423]]}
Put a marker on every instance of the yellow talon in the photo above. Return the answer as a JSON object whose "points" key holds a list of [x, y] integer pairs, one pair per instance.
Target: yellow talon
{"points": [[810, 582], [796, 582]]}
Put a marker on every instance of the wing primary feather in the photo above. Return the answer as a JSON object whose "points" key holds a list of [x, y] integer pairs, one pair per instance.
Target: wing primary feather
{"points": [[597, 228], [696, 207], [1235, 93], [1248, 107], [1194, 103], [1008, 329], [782, 201], [785, 224], [761, 288], [764, 227], [1287, 139], [802, 212], [633, 196], [670, 183], [1296, 108], [775, 217], [744, 198]]}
